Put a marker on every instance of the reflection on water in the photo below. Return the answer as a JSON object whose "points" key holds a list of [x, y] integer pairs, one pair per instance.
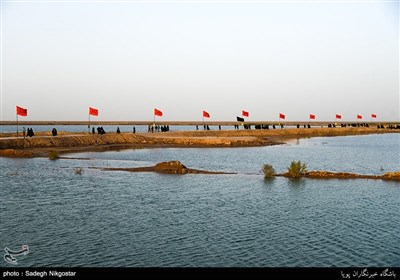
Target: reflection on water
{"points": [[107, 128], [297, 183], [103, 218]]}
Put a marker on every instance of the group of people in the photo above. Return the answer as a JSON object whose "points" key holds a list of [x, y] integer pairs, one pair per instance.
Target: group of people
{"points": [[305, 126], [390, 126], [28, 132], [133, 130], [265, 126], [157, 128], [100, 130]]}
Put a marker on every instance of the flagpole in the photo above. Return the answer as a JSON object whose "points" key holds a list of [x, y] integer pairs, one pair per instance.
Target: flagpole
{"points": [[17, 125], [154, 122], [89, 123], [204, 128]]}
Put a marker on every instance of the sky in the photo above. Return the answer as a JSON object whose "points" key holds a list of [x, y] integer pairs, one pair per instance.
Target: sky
{"points": [[126, 58]]}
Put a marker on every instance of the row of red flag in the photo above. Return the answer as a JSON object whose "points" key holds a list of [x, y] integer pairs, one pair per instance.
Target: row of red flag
{"points": [[337, 116], [95, 112]]}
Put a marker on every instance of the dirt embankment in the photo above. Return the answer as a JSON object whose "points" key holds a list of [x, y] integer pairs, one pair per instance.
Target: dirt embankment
{"points": [[73, 142], [390, 176], [170, 167], [344, 175]]}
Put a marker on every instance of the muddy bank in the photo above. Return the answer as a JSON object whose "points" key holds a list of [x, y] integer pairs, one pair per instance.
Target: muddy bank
{"points": [[171, 167], [16, 153], [73, 142], [176, 167], [391, 176]]}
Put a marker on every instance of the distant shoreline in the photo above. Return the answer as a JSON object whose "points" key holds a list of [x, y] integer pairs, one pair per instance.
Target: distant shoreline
{"points": [[65, 142]]}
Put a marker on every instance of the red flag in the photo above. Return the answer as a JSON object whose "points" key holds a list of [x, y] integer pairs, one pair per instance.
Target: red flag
{"points": [[282, 116], [157, 112], [373, 116], [338, 116], [22, 111], [245, 113], [93, 111], [206, 114], [359, 117], [312, 116]]}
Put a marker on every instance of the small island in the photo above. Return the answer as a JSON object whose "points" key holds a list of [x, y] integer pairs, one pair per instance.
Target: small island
{"points": [[170, 167]]}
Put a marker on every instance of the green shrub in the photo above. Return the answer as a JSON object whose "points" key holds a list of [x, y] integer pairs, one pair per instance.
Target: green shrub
{"points": [[53, 155], [269, 171], [297, 169]]}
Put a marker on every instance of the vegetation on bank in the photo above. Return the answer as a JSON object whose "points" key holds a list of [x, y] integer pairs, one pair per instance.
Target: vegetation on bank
{"points": [[296, 169], [269, 171], [53, 155]]}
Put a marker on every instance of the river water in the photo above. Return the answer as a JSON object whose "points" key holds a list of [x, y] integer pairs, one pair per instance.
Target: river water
{"points": [[106, 218], [107, 128], [113, 128]]}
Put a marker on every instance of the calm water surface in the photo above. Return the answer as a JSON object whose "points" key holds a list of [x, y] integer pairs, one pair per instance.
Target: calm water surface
{"points": [[144, 219], [107, 128]]}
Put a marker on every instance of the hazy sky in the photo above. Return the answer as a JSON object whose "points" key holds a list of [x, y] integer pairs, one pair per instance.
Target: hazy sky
{"points": [[126, 58]]}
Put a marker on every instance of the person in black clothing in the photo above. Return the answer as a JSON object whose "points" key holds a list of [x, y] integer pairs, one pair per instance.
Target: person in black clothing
{"points": [[118, 131], [54, 132], [93, 131], [134, 129], [30, 132], [100, 130]]}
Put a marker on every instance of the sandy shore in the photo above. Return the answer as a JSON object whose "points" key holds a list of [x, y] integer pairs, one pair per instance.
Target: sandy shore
{"points": [[65, 142]]}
